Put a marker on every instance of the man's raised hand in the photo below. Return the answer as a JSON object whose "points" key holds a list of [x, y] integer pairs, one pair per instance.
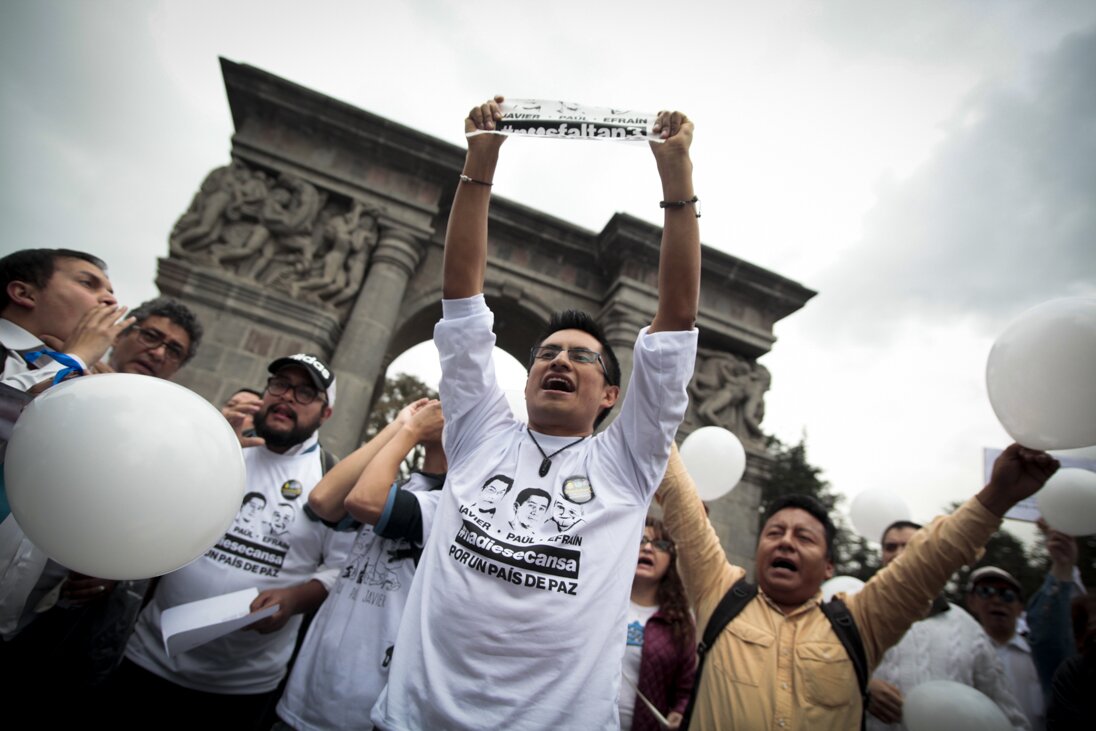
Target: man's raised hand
{"points": [[1018, 473]]}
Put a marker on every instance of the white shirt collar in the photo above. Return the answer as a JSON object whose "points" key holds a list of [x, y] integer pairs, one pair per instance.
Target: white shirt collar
{"points": [[16, 337]]}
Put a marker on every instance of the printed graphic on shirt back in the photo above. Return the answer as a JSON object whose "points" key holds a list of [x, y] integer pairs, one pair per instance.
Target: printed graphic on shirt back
{"points": [[374, 568], [258, 539], [528, 540]]}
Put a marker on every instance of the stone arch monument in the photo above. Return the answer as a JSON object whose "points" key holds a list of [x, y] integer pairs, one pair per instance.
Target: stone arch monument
{"points": [[324, 233]]}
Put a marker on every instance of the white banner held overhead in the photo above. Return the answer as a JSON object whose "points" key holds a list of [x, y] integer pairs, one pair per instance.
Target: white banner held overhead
{"points": [[564, 120]]}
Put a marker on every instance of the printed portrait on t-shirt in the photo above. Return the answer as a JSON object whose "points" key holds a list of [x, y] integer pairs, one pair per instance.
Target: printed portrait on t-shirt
{"points": [[280, 520], [486, 505], [565, 516], [249, 520], [530, 506]]}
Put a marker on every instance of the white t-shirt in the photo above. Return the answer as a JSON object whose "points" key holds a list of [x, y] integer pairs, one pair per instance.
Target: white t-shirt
{"points": [[343, 663], [517, 625], [271, 544], [629, 668]]}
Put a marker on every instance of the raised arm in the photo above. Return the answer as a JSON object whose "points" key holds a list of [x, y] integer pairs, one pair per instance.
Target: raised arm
{"points": [[327, 498], [897, 596], [679, 258], [466, 235], [367, 499]]}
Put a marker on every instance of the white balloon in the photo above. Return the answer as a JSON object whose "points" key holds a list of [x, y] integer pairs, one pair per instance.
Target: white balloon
{"points": [[945, 704], [123, 476], [1068, 502], [716, 461], [1041, 375], [875, 509], [838, 584]]}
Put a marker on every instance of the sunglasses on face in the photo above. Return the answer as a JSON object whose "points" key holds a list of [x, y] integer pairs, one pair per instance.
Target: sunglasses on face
{"points": [[1008, 596], [659, 544]]}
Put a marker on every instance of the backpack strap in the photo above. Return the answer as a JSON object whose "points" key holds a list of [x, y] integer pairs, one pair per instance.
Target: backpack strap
{"points": [[327, 460], [845, 628], [732, 603]]}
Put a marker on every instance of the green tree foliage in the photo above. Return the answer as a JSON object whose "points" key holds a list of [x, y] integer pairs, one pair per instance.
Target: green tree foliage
{"points": [[1004, 550], [793, 474], [399, 391]]}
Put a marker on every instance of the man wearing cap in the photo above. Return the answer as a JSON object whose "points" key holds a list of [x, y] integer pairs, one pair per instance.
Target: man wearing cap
{"points": [[233, 679], [996, 600], [946, 645]]}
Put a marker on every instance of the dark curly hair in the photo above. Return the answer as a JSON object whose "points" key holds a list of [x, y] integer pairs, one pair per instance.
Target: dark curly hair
{"points": [[672, 602], [177, 313]]}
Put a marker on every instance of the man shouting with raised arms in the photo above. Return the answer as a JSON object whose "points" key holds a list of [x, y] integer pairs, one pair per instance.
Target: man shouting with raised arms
{"points": [[521, 629]]}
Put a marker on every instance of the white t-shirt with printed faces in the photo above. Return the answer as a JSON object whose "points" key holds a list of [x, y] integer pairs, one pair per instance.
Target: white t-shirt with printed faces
{"points": [[271, 544], [515, 615], [344, 661]]}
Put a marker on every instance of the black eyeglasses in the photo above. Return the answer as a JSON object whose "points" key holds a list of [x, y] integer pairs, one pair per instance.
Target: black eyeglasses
{"points": [[576, 355], [303, 393], [153, 339], [1008, 596], [659, 544]]}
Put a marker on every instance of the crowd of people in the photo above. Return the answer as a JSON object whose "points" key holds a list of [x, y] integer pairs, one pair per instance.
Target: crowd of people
{"points": [[499, 586]]}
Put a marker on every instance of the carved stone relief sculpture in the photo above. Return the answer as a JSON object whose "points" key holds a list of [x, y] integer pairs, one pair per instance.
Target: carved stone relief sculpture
{"points": [[728, 391], [279, 232]]}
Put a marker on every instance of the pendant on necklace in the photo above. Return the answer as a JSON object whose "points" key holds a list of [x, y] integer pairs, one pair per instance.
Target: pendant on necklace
{"points": [[545, 465]]}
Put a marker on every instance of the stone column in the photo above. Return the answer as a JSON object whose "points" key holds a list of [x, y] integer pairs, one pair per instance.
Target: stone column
{"points": [[360, 355]]}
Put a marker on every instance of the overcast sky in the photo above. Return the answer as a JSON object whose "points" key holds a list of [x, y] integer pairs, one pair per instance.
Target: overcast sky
{"points": [[929, 167]]}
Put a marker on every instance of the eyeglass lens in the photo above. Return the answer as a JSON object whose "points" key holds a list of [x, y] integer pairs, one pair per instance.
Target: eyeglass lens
{"points": [[659, 544], [303, 393], [154, 339]]}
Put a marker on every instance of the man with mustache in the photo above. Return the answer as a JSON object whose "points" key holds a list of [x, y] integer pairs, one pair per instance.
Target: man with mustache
{"points": [[234, 678], [163, 338], [780, 662]]}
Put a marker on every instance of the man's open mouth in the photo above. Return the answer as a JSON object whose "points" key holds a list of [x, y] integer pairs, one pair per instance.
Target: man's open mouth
{"points": [[557, 383], [783, 563]]}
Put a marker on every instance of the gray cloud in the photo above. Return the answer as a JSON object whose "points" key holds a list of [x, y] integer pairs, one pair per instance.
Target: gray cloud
{"points": [[999, 218]]}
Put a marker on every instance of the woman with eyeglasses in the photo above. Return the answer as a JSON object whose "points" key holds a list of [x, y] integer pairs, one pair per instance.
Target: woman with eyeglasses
{"points": [[660, 658]]}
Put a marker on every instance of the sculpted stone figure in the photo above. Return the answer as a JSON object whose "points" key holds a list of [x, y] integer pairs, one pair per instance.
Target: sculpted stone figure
{"points": [[729, 391], [283, 229], [352, 236], [228, 194]]}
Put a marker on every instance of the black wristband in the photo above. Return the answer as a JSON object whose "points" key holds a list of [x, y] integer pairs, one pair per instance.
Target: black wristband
{"points": [[465, 179], [681, 204]]}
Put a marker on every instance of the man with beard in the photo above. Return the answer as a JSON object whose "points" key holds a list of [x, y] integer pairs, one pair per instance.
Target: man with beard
{"points": [[232, 679]]}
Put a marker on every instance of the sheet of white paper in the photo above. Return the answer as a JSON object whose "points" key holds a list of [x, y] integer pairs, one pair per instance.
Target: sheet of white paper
{"points": [[188, 625], [1027, 509], [650, 706]]}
